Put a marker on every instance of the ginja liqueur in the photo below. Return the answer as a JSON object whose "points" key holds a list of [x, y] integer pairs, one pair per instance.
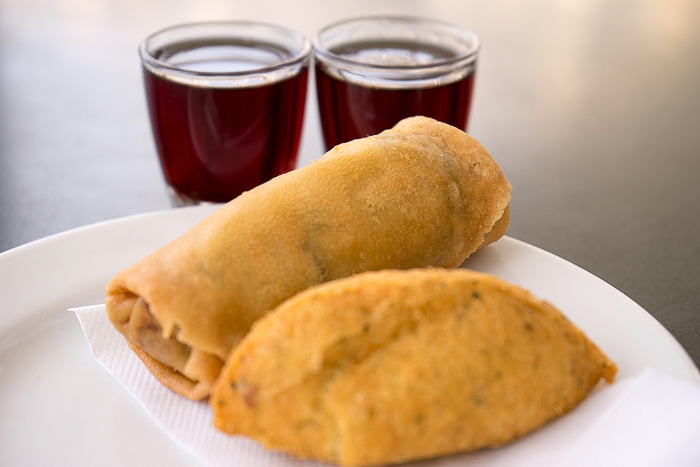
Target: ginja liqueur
{"points": [[217, 142], [354, 103]]}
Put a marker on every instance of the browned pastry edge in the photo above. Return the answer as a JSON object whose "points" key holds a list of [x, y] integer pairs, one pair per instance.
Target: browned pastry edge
{"points": [[171, 378]]}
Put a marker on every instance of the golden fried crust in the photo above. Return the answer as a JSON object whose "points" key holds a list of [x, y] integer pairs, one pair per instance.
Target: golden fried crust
{"points": [[424, 194], [393, 366]]}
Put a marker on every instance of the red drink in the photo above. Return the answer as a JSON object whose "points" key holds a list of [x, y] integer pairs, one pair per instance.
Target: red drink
{"points": [[350, 111], [373, 72], [226, 130]]}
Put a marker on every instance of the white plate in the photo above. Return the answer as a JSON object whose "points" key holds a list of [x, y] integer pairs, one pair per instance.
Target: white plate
{"points": [[59, 407]]}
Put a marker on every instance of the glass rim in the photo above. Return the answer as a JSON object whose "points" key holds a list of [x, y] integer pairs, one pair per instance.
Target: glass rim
{"points": [[328, 56], [160, 66]]}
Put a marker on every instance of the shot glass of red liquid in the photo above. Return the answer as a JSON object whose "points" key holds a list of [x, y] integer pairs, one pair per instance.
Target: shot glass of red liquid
{"points": [[372, 72], [226, 101]]}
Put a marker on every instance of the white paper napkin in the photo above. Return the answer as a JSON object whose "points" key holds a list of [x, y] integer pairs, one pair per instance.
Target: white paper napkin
{"points": [[650, 420]]}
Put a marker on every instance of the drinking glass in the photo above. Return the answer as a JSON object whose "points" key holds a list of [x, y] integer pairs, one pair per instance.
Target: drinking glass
{"points": [[372, 72], [226, 102]]}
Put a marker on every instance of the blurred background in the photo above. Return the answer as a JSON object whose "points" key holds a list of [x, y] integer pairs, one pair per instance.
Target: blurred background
{"points": [[592, 109]]}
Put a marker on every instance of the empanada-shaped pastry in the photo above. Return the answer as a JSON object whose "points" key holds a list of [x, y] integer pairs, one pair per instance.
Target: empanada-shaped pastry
{"points": [[393, 366], [422, 194]]}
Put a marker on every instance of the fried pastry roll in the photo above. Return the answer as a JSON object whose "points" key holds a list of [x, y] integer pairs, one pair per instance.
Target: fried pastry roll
{"points": [[394, 366], [421, 194]]}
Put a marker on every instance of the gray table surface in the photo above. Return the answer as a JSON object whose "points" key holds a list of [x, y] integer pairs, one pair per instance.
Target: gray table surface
{"points": [[591, 108]]}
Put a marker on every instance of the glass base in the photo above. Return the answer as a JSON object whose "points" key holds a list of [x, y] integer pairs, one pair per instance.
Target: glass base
{"points": [[179, 200]]}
